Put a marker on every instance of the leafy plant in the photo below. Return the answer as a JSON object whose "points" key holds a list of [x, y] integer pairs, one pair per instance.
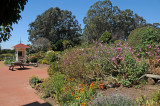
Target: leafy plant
{"points": [[34, 80], [105, 37]]}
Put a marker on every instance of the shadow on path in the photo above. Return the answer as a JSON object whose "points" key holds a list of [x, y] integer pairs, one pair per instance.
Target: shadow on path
{"points": [[37, 104]]}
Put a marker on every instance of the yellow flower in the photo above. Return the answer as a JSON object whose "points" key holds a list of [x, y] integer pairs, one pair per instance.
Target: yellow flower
{"points": [[83, 104], [77, 97]]}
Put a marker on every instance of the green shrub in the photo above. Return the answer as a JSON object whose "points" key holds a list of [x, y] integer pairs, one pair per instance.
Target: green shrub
{"points": [[33, 59], [58, 46], [132, 70], [67, 44], [34, 80], [145, 35], [50, 57], [54, 85], [118, 41], [53, 68], [105, 37], [156, 96]]}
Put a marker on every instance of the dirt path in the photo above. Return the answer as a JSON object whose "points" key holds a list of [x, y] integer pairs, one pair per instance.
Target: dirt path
{"points": [[15, 89]]}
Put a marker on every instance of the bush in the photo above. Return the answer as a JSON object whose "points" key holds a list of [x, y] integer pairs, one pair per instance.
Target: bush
{"points": [[132, 70], [145, 35], [53, 68], [34, 80], [54, 85], [79, 64], [33, 60], [58, 46], [50, 57], [67, 44], [105, 37]]}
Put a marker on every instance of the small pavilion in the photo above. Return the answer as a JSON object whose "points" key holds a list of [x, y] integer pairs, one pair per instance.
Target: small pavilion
{"points": [[20, 52]]}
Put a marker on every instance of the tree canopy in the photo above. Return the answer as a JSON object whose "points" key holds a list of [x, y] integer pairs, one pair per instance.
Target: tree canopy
{"points": [[10, 13], [55, 24], [103, 16], [41, 44]]}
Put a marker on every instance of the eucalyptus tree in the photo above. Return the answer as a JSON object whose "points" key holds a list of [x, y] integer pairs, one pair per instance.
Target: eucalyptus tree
{"points": [[55, 24], [103, 16]]}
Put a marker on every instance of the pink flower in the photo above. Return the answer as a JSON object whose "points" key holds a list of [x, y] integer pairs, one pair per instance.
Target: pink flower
{"points": [[57, 62], [113, 58], [103, 47], [117, 56], [137, 59], [149, 47], [120, 57]]}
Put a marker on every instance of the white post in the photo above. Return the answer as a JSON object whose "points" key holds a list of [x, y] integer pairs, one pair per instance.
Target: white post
{"points": [[16, 55]]}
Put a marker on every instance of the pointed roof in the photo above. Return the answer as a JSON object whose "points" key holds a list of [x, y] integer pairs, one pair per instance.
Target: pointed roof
{"points": [[20, 45]]}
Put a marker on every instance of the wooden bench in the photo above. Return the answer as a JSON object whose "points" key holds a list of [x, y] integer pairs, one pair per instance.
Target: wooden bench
{"points": [[13, 64], [11, 67]]}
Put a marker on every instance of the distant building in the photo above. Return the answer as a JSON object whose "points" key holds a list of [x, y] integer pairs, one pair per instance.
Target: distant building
{"points": [[21, 52]]}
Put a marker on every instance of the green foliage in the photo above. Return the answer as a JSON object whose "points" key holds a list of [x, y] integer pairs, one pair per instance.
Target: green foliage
{"points": [[41, 44], [33, 59], [140, 37], [156, 96], [154, 100], [118, 41], [50, 57], [105, 37], [55, 24], [132, 70], [58, 46], [67, 91], [54, 85], [34, 80], [103, 16], [53, 68], [67, 44], [79, 64], [10, 13]]}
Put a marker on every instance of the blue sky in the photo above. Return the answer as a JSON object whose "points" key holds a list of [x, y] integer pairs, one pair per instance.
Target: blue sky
{"points": [[148, 9]]}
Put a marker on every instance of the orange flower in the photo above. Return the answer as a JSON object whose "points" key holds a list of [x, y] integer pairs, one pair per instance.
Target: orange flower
{"points": [[63, 89], [80, 84], [77, 97], [71, 79], [72, 93], [82, 90], [83, 104], [91, 86]]}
